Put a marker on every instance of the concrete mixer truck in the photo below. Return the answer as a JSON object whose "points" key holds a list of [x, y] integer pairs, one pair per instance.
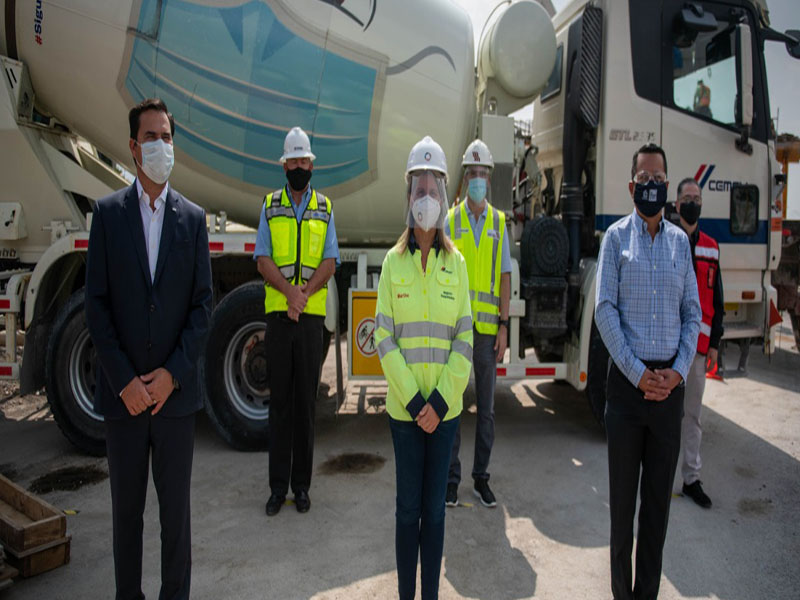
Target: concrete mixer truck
{"points": [[366, 79]]}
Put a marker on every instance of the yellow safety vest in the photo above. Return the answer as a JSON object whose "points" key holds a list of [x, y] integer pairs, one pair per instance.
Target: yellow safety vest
{"points": [[483, 263], [297, 253], [423, 329]]}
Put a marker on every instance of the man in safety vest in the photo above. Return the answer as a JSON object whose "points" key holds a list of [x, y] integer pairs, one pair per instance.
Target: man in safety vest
{"points": [[478, 231], [297, 253], [705, 254]]}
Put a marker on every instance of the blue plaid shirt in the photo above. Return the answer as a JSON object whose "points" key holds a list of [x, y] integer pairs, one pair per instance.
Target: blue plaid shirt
{"points": [[647, 307]]}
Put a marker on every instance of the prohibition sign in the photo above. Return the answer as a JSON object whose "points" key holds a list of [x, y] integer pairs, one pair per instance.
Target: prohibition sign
{"points": [[365, 337]]}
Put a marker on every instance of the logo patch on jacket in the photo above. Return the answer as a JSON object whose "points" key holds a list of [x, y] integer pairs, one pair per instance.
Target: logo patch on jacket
{"points": [[402, 295], [448, 295]]}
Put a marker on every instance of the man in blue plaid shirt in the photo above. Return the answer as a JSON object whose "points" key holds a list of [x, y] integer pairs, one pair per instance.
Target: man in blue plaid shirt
{"points": [[648, 313]]}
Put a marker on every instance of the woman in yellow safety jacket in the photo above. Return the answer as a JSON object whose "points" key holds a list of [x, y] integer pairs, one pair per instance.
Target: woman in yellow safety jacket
{"points": [[423, 330]]}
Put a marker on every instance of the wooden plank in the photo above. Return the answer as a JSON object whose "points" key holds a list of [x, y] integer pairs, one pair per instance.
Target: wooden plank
{"points": [[27, 521], [42, 558]]}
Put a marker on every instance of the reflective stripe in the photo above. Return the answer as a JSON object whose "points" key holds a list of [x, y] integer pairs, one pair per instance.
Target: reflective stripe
{"points": [[495, 241], [307, 272], [287, 271], [386, 346], [463, 325], [487, 318], [382, 320], [316, 215], [462, 348], [279, 211], [705, 329], [485, 297], [424, 329], [457, 233], [706, 252], [425, 355]]}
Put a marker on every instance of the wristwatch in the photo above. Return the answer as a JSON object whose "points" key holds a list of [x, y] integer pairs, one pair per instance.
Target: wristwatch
{"points": [[504, 322]]}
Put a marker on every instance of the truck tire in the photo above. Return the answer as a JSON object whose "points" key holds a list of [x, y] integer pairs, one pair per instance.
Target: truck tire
{"points": [[234, 369], [70, 373], [597, 375]]}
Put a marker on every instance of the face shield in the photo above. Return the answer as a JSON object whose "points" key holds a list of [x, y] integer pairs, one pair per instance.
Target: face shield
{"points": [[476, 184], [427, 200]]}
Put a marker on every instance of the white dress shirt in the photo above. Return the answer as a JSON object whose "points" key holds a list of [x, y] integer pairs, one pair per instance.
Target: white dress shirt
{"points": [[152, 222]]}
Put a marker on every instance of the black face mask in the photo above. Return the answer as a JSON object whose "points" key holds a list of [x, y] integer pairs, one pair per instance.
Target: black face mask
{"points": [[298, 178], [650, 198], [690, 211]]}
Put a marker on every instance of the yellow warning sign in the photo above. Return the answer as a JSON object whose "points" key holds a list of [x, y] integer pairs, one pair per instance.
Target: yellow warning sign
{"points": [[362, 348]]}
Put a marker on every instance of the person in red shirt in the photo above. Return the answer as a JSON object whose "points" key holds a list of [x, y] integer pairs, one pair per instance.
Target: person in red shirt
{"points": [[705, 255]]}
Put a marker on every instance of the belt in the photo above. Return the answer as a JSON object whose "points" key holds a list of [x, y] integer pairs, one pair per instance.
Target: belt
{"points": [[660, 364]]}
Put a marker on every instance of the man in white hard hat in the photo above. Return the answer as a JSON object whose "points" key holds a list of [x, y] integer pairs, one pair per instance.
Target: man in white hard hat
{"points": [[297, 253], [478, 231]]}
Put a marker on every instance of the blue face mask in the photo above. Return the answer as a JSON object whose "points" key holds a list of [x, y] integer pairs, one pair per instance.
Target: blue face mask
{"points": [[476, 188], [249, 79]]}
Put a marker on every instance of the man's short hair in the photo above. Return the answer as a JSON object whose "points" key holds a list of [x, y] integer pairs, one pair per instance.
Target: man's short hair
{"points": [[648, 149], [687, 181], [145, 105]]}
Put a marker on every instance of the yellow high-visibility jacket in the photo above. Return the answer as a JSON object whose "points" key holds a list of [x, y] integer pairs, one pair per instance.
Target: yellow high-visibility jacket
{"points": [[423, 331]]}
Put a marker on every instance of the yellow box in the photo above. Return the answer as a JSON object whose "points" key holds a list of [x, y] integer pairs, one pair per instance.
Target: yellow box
{"points": [[363, 359]]}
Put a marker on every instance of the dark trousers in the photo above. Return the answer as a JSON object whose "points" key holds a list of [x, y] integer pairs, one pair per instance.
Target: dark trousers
{"points": [[131, 443], [422, 461], [484, 361], [643, 436], [294, 356]]}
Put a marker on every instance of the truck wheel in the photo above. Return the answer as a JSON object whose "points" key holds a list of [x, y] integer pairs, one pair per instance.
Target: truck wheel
{"points": [[70, 378], [597, 375], [235, 371]]}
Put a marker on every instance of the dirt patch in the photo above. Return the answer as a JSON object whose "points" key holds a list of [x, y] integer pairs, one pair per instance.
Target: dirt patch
{"points": [[355, 462], [754, 506], [745, 472], [67, 479]]}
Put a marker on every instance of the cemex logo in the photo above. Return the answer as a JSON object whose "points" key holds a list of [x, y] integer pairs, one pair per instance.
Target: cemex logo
{"points": [[703, 176]]}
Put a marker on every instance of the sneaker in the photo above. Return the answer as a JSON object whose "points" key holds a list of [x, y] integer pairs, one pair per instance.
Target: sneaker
{"points": [[451, 497], [483, 492], [696, 493], [274, 504]]}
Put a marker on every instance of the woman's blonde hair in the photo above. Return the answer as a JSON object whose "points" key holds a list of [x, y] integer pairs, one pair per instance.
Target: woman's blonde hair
{"points": [[445, 242]]}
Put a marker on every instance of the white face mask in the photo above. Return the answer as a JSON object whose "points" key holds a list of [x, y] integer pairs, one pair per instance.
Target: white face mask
{"points": [[157, 160], [426, 211]]}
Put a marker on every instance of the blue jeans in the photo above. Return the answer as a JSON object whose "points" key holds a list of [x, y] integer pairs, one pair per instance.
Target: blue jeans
{"points": [[422, 461]]}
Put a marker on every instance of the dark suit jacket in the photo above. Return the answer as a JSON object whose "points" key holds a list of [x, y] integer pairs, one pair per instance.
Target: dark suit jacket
{"points": [[136, 325]]}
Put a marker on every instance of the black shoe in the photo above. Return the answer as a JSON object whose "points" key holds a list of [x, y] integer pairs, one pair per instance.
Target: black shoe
{"points": [[302, 501], [451, 497], [696, 493], [274, 504], [483, 492]]}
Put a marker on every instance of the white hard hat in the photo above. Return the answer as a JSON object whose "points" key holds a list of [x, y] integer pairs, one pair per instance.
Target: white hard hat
{"points": [[427, 155], [477, 153], [296, 145]]}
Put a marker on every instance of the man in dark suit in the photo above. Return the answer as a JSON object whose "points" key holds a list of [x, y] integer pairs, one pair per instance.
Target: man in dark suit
{"points": [[148, 300]]}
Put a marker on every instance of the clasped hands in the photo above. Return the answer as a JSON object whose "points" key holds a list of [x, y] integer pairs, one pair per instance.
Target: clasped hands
{"points": [[658, 384], [150, 389], [296, 298]]}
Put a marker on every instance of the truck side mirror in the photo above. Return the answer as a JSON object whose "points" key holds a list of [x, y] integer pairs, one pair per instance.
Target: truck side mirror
{"points": [[793, 49], [690, 21], [744, 83]]}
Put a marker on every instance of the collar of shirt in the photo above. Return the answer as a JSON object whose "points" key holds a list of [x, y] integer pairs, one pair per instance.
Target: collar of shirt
{"points": [[413, 246], [480, 217], [641, 224], [299, 209], [158, 202]]}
